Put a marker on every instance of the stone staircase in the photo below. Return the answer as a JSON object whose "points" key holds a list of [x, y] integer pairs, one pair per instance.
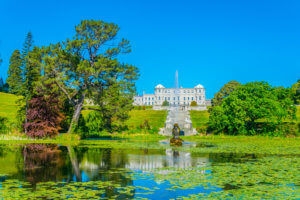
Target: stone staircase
{"points": [[182, 118]]}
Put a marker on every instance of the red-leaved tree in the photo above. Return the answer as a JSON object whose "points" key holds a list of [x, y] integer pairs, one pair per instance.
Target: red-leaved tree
{"points": [[44, 116]]}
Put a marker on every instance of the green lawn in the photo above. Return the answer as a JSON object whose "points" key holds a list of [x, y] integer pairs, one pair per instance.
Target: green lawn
{"points": [[8, 106], [199, 118], [156, 118]]}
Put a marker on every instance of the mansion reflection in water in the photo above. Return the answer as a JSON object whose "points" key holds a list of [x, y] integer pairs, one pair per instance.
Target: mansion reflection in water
{"points": [[149, 161], [49, 162]]}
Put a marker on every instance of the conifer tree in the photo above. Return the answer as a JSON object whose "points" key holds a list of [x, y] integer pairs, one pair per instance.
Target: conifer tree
{"points": [[30, 73], [14, 79]]}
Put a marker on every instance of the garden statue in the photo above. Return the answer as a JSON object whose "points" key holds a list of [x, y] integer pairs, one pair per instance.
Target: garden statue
{"points": [[175, 140]]}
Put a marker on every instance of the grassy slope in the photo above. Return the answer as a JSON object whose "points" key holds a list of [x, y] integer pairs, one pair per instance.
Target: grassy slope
{"points": [[156, 118], [199, 118], [8, 106]]}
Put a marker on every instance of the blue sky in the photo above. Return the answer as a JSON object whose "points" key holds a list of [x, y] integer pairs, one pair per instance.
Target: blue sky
{"points": [[208, 42]]}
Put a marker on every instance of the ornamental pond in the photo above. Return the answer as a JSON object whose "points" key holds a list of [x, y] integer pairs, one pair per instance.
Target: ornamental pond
{"points": [[151, 169]]}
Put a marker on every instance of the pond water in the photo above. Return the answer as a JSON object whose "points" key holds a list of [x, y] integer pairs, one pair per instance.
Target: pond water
{"points": [[96, 171]]}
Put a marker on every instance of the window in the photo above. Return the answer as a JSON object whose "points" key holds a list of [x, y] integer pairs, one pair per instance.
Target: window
{"points": [[184, 91], [178, 98], [174, 98], [188, 98], [183, 98], [188, 91], [159, 91], [152, 98], [192, 91], [199, 98], [158, 98], [166, 98], [192, 98], [169, 98]]}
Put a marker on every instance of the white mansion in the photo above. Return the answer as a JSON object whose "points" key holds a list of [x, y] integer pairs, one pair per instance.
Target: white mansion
{"points": [[180, 96]]}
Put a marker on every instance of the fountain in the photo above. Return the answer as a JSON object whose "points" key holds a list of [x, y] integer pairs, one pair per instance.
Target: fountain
{"points": [[177, 115], [175, 140]]}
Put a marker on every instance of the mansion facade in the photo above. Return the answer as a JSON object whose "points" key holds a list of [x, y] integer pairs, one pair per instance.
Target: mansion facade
{"points": [[175, 96]]}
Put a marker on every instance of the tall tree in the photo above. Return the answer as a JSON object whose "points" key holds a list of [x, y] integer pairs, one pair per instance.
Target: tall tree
{"points": [[31, 71], [224, 92], [88, 63], [15, 78]]}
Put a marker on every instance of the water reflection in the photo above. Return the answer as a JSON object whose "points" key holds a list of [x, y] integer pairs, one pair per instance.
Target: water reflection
{"points": [[42, 162], [36, 163]]}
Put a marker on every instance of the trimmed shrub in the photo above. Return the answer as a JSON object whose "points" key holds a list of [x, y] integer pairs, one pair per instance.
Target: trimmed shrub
{"points": [[194, 103], [165, 103]]}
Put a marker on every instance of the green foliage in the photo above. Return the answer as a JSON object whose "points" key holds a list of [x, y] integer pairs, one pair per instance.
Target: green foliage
{"points": [[165, 103], [142, 107], [94, 124], [15, 73], [3, 127], [202, 129], [194, 103], [145, 125], [8, 109], [89, 68], [296, 92], [114, 103], [224, 92], [249, 103]]}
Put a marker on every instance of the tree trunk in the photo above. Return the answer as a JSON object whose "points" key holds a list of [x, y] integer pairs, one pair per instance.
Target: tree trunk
{"points": [[76, 114]]}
